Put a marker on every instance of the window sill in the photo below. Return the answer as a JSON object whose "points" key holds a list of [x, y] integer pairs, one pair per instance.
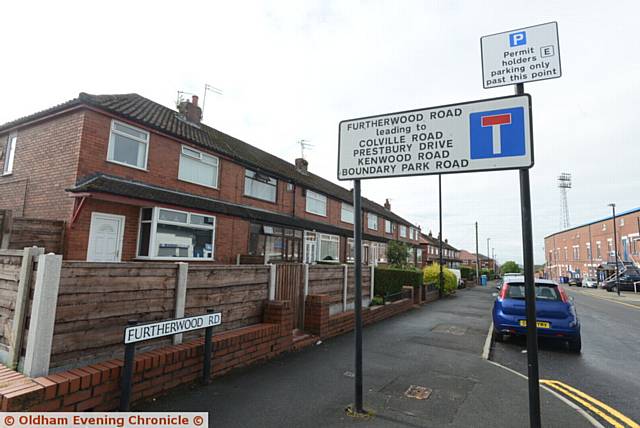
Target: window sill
{"points": [[319, 215], [127, 165], [198, 184], [255, 198], [6, 174]]}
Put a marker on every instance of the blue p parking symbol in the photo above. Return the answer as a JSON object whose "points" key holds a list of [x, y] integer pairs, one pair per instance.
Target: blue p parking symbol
{"points": [[518, 39]]}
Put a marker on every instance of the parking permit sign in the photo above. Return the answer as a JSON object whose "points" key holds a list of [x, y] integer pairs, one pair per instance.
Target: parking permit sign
{"points": [[519, 56], [485, 135]]}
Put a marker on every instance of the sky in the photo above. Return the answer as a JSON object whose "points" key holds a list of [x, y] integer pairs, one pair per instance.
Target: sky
{"points": [[292, 70]]}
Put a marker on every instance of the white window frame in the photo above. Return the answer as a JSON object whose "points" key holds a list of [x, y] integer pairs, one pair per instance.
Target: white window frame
{"points": [[155, 220], [317, 197], [388, 227], [140, 140], [327, 238], [200, 158], [372, 219], [344, 207], [403, 231], [10, 154], [274, 201]]}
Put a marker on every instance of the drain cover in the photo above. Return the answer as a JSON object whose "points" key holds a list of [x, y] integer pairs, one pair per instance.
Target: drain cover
{"points": [[418, 392]]}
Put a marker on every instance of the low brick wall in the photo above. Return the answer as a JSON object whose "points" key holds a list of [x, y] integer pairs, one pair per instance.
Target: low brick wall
{"points": [[430, 296], [319, 322], [97, 387]]}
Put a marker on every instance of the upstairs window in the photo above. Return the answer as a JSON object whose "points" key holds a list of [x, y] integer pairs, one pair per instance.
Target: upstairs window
{"points": [[372, 221], [403, 231], [316, 203], [260, 186], [128, 145], [387, 226], [346, 213], [9, 155], [198, 167]]}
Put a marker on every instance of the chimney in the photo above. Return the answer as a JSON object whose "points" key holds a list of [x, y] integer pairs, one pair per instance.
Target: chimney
{"points": [[301, 165], [430, 234], [190, 110], [387, 205], [446, 240]]}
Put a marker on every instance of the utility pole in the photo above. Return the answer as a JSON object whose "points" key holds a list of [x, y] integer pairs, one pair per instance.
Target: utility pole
{"points": [[488, 254], [615, 247], [477, 257]]}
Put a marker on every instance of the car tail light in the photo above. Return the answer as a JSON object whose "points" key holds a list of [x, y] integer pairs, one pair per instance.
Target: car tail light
{"points": [[503, 292], [563, 295]]}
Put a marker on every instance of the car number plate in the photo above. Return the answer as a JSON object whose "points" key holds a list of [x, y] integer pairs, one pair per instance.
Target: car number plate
{"points": [[540, 324]]}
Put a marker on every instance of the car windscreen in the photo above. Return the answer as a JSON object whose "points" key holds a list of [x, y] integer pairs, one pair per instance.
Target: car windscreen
{"points": [[543, 291]]}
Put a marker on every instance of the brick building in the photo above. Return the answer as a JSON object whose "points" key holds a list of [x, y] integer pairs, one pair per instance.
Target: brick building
{"points": [[580, 250], [471, 260], [135, 180], [430, 246]]}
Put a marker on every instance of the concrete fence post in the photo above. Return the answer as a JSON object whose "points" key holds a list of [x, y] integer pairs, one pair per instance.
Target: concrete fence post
{"points": [[182, 272], [272, 282], [43, 315], [22, 297], [373, 279], [345, 284]]}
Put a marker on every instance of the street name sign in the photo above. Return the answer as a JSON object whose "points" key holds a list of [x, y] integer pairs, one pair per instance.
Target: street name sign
{"points": [[493, 134], [524, 55], [138, 333]]}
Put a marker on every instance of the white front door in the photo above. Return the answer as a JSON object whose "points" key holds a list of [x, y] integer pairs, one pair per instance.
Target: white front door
{"points": [[105, 238], [310, 245]]}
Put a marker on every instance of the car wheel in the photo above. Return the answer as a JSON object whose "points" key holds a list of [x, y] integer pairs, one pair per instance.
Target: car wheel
{"points": [[575, 345], [497, 337]]}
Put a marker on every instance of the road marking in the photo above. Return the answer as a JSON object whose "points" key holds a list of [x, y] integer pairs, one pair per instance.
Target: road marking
{"points": [[565, 400], [606, 299], [590, 403]]}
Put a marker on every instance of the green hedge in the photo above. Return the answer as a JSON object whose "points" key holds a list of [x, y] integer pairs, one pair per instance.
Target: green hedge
{"points": [[391, 280], [432, 275], [467, 272]]}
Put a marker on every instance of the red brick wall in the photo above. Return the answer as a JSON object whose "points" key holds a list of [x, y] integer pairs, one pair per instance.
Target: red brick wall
{"points": [[559, 265], [46, 159]]}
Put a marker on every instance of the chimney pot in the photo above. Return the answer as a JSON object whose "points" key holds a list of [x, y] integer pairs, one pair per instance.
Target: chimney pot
{"points": [[387, 205], [302, 165]]}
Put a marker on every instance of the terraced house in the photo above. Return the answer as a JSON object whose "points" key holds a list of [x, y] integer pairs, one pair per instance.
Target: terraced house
{"points": [[135, 180]]}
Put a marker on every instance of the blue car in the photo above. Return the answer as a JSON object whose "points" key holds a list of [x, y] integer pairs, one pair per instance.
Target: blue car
{"points": [[555, 312]]}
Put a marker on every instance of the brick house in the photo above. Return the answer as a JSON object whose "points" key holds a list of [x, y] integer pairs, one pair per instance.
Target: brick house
{"points": [[581, 250], [469, 259], [135, 180], [430, 249]]}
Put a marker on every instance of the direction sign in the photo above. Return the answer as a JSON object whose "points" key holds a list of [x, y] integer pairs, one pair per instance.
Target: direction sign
{"points": [[482, 135], [138, 333], [519, 56]]}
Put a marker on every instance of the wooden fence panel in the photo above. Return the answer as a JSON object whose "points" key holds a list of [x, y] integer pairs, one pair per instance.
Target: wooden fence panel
{"points": [[10, 264], [29, 232], [96, 300]]}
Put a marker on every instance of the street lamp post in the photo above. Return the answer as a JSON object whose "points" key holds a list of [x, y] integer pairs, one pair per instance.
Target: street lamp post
{"points": [[488, 255], [615, 246]]}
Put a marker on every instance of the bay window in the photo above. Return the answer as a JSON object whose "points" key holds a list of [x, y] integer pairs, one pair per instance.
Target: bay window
{"points": [[260, 186], [172, 234], [128, 145], [198, 167], [329, 247]]}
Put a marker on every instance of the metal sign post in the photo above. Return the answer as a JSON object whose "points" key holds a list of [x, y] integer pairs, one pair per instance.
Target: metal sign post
{"points": [[357, 234], [441, 274], [529, 294]]}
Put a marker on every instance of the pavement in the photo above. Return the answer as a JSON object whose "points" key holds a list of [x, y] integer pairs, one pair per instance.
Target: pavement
{"points": [[437, 346], [607, 370]]}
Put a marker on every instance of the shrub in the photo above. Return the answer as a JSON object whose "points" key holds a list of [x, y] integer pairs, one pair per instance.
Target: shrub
{"points": [[377, 301], [391, 280], [467, 272], [397, 254], [432, 274]]}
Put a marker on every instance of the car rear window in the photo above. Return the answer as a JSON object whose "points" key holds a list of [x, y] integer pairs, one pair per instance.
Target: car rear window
{"points": [[543, 291]]}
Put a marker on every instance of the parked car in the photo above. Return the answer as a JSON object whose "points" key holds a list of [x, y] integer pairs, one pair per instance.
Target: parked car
{"points": [[625, 282], [589, 282], [556, 315], [577, 282]]}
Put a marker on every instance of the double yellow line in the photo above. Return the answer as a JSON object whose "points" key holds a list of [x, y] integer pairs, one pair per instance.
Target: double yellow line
{"points": [[609, 414]]}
